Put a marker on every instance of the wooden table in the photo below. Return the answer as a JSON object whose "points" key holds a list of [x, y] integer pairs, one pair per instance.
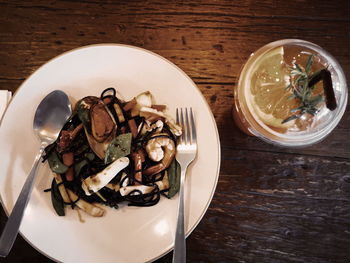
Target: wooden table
{"points": [[271, 204]]}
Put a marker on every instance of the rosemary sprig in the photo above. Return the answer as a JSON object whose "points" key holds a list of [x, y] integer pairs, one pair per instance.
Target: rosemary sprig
{"points": [[302, 90]]}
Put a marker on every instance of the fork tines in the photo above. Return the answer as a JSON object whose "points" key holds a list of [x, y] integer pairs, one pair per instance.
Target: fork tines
{"points": [[184, 118]]}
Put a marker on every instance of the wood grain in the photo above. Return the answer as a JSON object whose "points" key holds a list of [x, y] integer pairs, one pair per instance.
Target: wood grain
{"points": [[271, 204]]}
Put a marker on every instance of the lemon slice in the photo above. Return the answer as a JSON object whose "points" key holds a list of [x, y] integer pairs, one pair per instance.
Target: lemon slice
{"points": [[268, 95]]}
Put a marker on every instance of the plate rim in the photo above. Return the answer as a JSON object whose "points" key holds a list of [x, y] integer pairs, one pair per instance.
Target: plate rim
{"points": [[182, 73]]}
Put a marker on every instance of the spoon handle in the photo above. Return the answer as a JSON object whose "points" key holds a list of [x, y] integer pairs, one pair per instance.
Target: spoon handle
{"points": [[10, 232]]}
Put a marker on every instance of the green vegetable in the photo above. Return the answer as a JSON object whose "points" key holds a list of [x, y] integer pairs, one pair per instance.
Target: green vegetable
{"points": [[50, 148], [119, 147], [89, 156], [81, 164], [56, 199], [174, 174], [81, 149], [84, 114], [55, 163]]}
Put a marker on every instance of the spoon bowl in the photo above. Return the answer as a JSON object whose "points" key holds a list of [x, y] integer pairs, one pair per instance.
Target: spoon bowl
{"points": [[52, 113]]}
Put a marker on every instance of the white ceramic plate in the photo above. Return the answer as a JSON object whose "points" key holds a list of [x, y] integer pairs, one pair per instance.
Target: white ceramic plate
{"points": [[130, 234]]}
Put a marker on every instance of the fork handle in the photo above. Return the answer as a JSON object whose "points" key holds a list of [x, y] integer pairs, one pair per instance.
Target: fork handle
{"points": [[179, 255]]}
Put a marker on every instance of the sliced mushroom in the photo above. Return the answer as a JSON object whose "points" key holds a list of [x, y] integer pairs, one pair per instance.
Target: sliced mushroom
{"points": [[150, 113], [119, 112], [145, 189], [114, 187], [128, 189], [138, 167], [174, 128], [95, 182], [85, 206], [144, 99], [148, 127], [68, 196]]}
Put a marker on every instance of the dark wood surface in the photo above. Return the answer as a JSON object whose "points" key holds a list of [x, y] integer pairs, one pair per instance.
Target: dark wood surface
{"points": [[271, 204]]}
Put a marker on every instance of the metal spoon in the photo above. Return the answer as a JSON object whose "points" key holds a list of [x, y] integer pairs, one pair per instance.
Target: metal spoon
{"points": [[50, 116]]}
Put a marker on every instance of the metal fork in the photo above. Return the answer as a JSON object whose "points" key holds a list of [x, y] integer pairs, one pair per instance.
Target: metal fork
{"points": [[186, 152]]}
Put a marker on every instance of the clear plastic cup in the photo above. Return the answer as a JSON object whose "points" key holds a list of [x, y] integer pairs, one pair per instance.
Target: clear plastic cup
{"points": [[323, 122]]}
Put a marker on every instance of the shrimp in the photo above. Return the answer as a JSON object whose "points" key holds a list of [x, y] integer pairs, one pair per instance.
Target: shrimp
{"points": [[160, 149]]}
